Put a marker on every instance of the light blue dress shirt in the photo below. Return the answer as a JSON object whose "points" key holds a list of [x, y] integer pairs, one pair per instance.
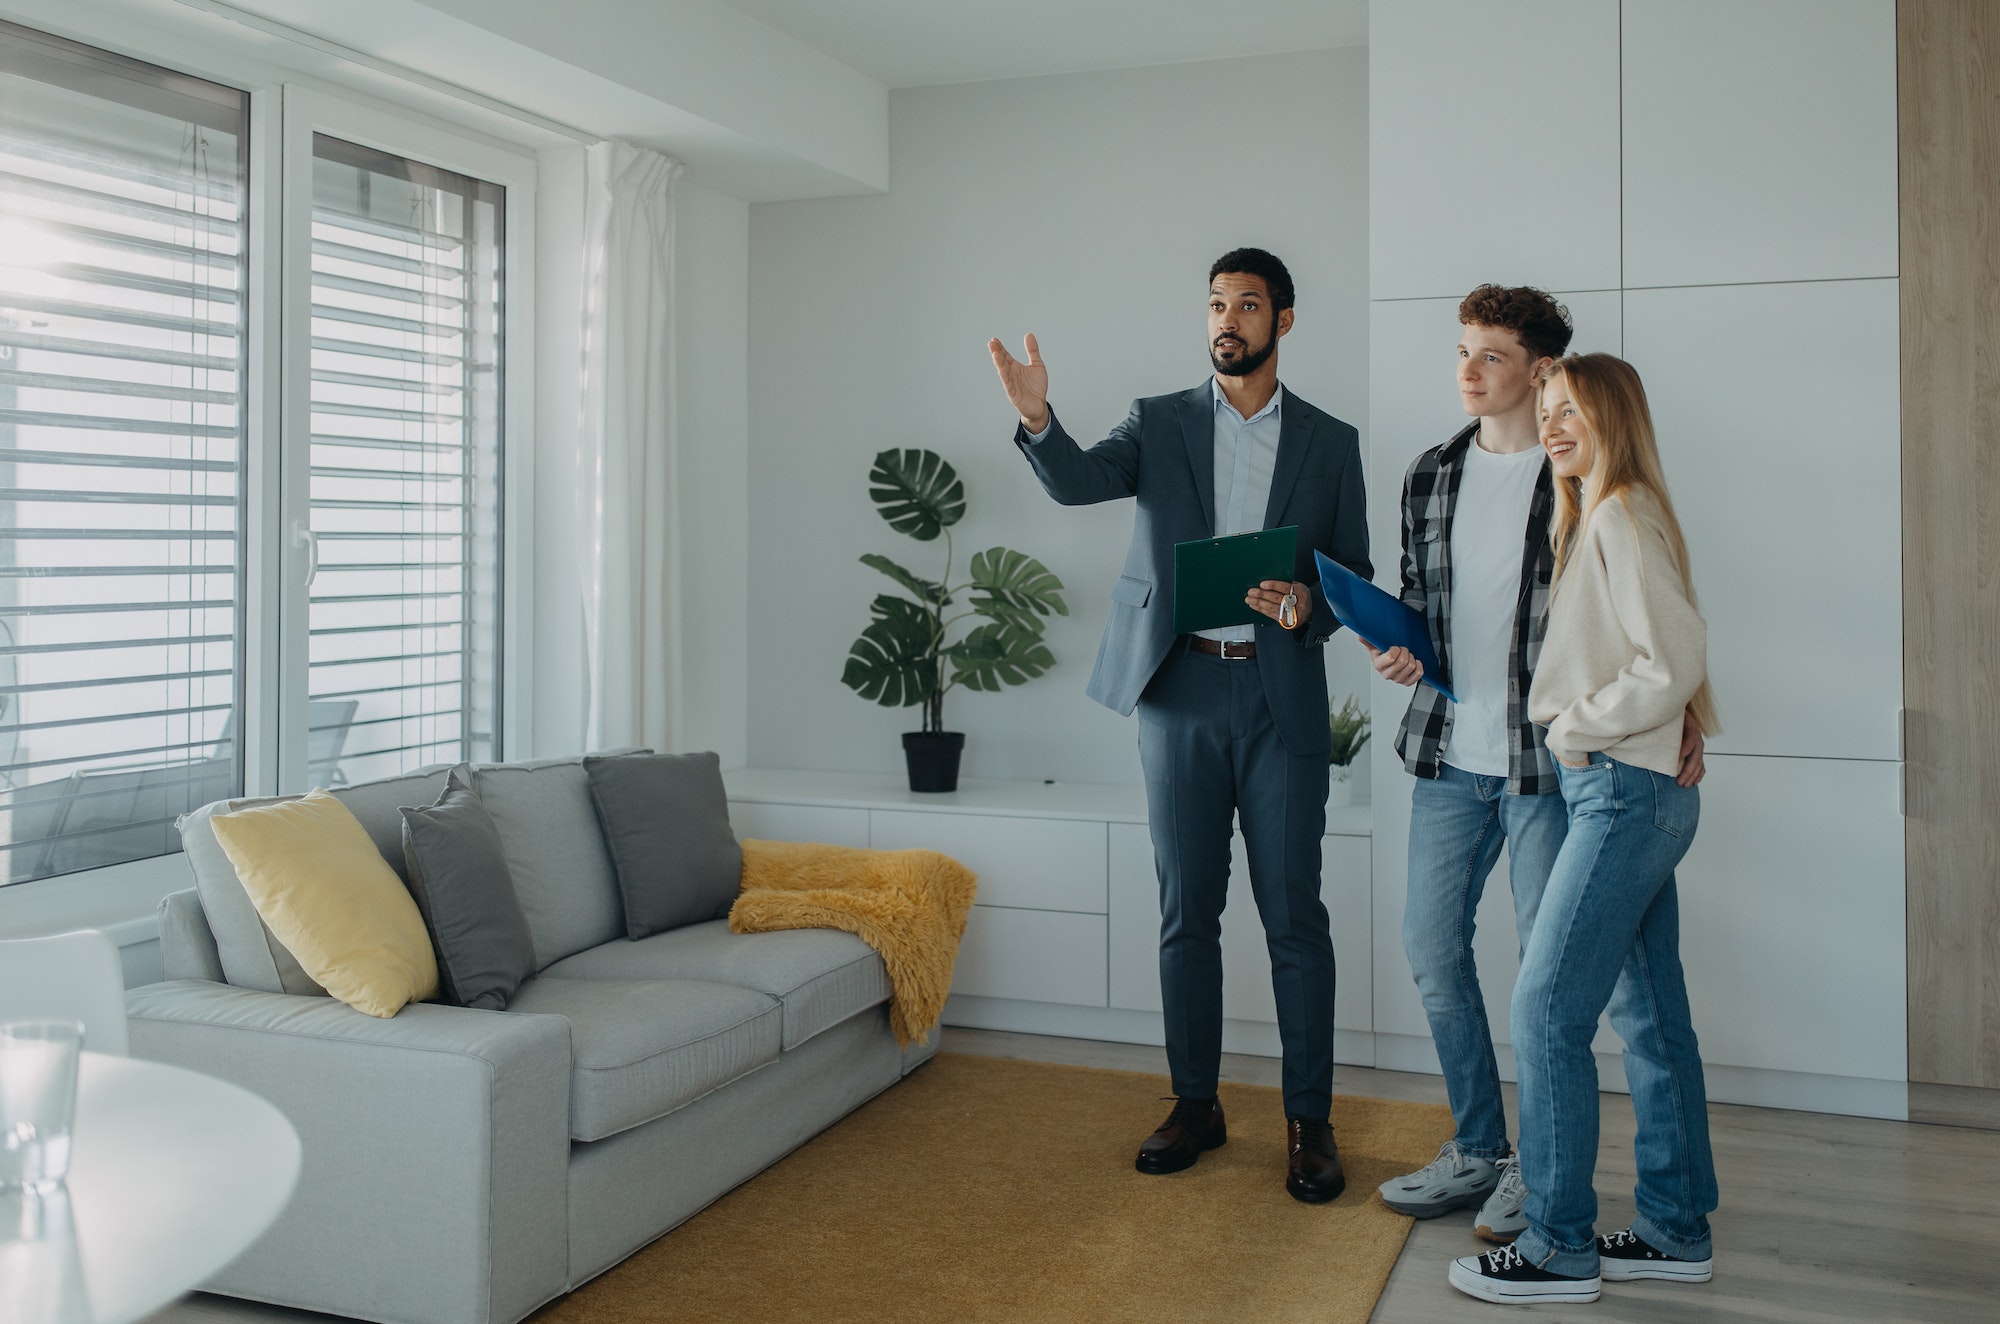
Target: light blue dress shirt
{"points": [[1246, 456]]}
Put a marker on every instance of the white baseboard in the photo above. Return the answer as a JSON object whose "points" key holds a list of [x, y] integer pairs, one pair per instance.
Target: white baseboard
{"points": [[1756, 1086], [1759, 1087]]}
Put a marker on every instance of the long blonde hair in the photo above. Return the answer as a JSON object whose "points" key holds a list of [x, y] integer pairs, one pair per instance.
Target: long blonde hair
{"points": [[1611, 399]]}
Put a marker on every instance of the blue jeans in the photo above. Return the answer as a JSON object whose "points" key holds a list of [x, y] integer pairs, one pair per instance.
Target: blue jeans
{"points": [[1609, 936], [1457, 825]]}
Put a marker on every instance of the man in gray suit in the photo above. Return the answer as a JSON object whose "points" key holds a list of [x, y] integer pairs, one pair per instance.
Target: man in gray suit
{"points": [[1232, 722]]}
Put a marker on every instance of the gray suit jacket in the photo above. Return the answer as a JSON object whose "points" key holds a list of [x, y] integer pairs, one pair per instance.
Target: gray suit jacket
{"points": [[1164, 454]]}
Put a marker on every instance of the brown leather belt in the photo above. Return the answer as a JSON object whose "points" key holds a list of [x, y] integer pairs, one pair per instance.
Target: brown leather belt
{"points": [[1232, 649]]}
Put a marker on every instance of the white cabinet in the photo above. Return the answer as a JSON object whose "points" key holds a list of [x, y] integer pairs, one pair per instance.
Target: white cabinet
{"points": [[1028, 863], [1792, 917], [1786, 475], [1759, 144], [1032, 956], [1492, 146], [1038, 931], [829, 825]]}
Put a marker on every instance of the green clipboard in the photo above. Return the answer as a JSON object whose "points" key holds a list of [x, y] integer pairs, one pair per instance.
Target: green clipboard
{"points": [[1212, 575]]}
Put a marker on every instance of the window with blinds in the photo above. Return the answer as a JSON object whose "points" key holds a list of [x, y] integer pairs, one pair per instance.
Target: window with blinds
{"points": [[122, 280], [406, 464]]}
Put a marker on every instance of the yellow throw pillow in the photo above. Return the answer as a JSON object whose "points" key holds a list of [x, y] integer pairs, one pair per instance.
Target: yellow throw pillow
{"points": [[318, 882]]}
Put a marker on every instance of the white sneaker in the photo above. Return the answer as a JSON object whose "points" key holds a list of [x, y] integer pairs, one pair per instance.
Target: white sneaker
{"points": [[1623, 1257], [1452, 1180], [1502, 1275], [1500, 1218]]}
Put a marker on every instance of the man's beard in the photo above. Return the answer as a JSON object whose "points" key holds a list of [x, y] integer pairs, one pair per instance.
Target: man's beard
{"points": [[1245, 363]]}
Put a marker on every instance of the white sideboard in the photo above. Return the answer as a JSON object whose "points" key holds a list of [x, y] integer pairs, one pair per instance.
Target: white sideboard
{"points": [[1064, 938]]}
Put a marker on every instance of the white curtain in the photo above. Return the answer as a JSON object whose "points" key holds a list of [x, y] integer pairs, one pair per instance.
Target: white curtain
{"points": [[627, 484]]}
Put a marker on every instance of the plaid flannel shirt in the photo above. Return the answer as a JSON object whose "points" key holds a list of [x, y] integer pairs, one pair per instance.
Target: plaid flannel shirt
{"points": [[1430, 500]]}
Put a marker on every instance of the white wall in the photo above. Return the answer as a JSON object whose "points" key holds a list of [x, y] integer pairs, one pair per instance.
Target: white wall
{"points": [[1717, 201], [1085, 208]]}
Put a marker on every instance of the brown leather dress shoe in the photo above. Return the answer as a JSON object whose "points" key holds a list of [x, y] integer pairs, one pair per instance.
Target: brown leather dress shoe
{"points": [[1313, 1174], [1189, 1129]]}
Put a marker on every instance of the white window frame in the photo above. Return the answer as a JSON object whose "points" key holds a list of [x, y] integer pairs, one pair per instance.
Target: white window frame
{"points": [[309, 111], [492, 143]]}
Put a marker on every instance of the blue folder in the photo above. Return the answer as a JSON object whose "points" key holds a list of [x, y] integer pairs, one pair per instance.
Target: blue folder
{"points": [[1379, 618]]}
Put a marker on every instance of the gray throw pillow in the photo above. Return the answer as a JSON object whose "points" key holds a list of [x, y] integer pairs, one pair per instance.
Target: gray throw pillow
{"points": [[666, 820], [458, 875]]}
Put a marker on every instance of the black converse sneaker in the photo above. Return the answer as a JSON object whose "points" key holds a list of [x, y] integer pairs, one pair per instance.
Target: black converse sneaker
{"points": [[1625, 1257], [1502, 1275]]}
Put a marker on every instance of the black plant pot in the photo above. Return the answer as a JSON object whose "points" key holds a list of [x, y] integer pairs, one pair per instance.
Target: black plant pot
{"points": [[933, 759]]}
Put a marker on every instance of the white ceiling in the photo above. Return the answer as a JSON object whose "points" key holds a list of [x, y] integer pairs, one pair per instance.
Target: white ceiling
{"points": [[917, 43]]}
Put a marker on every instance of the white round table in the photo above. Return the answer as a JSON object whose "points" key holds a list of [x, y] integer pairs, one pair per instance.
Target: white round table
{"points": [[172, 1175]]}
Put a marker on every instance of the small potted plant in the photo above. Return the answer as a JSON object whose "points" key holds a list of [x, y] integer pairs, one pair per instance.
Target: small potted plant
{"points": [[1349, 724], [906, 656]]}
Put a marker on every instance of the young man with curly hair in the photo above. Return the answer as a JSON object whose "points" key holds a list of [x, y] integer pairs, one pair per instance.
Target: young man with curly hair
{"points": [[1477, 563]]}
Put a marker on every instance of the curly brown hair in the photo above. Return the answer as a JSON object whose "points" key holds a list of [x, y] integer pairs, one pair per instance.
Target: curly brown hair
{"points": [[1540, 323]]}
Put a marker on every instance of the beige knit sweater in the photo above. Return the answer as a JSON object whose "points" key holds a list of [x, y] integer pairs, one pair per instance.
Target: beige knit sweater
{"points": [[1626, 650]]}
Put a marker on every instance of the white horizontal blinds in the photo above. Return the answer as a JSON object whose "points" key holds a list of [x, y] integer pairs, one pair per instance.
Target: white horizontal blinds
{"points": [[406, 414], [122, 275]]}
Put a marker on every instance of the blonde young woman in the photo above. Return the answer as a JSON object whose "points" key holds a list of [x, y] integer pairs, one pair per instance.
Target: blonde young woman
{"points": [[1625, 657]]}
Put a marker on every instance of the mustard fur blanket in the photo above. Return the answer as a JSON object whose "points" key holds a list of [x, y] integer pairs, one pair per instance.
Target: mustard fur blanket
{"points": [[909, 905]]}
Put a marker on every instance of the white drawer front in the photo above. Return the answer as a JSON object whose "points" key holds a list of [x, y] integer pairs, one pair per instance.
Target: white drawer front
{"points": [[1023, 863], [822, 823], [1032, 956]]}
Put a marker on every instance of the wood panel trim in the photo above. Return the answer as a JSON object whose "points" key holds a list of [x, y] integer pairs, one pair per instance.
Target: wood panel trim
{"points": [[1955, 1105], [1948, 129]]}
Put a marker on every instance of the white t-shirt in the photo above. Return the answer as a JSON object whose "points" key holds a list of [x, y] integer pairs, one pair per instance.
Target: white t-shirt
{"points": [[1489, 532]]}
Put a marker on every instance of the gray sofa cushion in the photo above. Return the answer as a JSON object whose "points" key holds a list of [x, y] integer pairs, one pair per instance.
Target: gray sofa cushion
{"points": [[458, 875], [251, 956], [379, 806], [640, 1049], [821, 976], [666, 822], [187, 947], [562, 873]]}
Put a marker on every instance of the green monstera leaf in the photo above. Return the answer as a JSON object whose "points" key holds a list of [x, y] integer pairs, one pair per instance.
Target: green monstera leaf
{"points": [[917, 492], [1005, 613], [926, 590], [891, 662], [1014, 583], [993, 656]]}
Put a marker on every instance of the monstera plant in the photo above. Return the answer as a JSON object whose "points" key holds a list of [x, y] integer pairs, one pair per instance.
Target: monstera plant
{"points": [[908, 655]]}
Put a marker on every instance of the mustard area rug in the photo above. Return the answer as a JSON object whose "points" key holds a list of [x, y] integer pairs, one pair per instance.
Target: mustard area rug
{"points": [[982, 1189]]}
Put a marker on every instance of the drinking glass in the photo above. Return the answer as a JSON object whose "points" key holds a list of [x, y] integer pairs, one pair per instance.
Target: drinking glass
{"points": [[41, 1273], [37, 1101]]}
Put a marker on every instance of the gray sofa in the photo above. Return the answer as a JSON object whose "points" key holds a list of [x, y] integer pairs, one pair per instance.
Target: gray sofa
{"points": [[465, 1167]]}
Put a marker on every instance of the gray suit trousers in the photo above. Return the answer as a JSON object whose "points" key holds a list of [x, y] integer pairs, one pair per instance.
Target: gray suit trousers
{"points": [[1212, 754]]}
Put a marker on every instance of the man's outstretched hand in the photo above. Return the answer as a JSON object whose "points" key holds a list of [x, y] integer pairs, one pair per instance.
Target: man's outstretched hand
{"points": [[1026, 384]]}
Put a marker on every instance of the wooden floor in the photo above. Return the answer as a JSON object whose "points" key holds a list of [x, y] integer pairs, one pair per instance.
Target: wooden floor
{"points": [[1823, 1219]]}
